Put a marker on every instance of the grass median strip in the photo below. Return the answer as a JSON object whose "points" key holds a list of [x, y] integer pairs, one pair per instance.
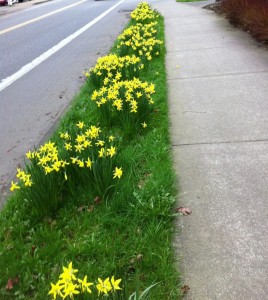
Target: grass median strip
{"points": [[120, 231]]}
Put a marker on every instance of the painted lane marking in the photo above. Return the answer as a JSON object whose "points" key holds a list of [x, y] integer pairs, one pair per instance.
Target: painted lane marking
{"points": [[27, 68], [33, 7], [40, 18]]}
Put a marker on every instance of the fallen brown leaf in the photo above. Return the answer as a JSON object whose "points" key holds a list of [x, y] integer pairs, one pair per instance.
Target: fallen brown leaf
{"points": [[48, 220], [90, 208], [131, 270], [132, 261], [33, 248], [97, 200], [9, 285], [141, 184], [183, 210], [185, 289], [143, 180], [137, 258], [53, 223], [11, 282], [81, 208]]}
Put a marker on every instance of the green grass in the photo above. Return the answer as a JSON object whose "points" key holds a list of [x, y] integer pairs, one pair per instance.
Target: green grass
{"points": [[129, 236]]}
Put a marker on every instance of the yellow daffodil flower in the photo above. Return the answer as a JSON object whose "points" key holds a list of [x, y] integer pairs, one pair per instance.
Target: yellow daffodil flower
{"points": [[14, 186], [79, 148], [80, 138], [55, 290], [74, 160], [71, 290], [68, 273], [80, 125], [101, 152], [104, 286], [118, 172], [81, 163], [100, 143], [111, 138], [86, 144], [111, 152], [115, 283], [85, 285], [88, 163]]}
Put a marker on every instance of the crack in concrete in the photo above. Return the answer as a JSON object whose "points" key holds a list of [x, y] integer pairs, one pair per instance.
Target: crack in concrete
{"points": [[194, 112], [199, 49], [217, 75], [219, 143]]}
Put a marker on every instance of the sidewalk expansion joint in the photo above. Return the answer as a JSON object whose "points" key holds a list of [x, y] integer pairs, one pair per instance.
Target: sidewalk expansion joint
{"points": [[220, 143], [198, 49], [217, 75]]}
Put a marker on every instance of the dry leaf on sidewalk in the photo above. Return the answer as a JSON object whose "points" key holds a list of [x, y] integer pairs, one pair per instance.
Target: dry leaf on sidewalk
{"points": [[184, 210], [184, 289]]}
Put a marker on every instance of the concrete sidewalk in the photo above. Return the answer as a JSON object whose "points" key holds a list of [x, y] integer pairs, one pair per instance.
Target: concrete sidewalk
{"points": [[218, 102]]}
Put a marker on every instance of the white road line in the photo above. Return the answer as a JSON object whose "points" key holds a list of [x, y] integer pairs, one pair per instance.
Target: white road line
{"points": [[27, 68], [41, 17], [33, 7]]}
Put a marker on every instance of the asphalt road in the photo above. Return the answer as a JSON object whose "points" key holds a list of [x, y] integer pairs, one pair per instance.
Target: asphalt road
{"points": [[31, 105]]}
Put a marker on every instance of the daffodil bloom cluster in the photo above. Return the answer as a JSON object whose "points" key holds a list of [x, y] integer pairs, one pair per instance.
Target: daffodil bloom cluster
{"points": [[86, 146], [128, 102], [117, 91], [129, 91], [140, 39], [143, 13], [93, 152], [24, 178], [68, 285], [41, 183], [82, 156], [113, 68], [48, 155], [47, 158], [79, 144]]}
